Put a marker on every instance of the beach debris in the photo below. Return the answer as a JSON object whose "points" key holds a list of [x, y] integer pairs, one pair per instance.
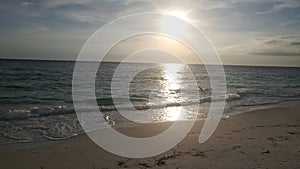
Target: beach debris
{"points": [[283, 162], [200, 154], [292, 133], [292, 125], [236, 147], [122, 164], [94, 166], [265, 152], [278, 138], [109, 120], [224, 117], [250, 138], [236, 131], [162, 161], [144, 165]]}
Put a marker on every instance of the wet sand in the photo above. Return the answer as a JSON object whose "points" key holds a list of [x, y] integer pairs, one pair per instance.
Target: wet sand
{"points": [[267, 138]]}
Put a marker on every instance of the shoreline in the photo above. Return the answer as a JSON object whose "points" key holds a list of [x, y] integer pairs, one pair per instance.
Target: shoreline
{"points": [[260, 138], [248, 109], [234, 112]]}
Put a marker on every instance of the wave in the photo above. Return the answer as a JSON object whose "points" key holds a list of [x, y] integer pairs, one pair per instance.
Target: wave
{"points": [[262, 102], [232, 96], [61, 138], [35, 112]]}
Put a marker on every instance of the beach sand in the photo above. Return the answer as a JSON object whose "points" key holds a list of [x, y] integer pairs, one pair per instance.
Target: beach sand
{"points": [[267, 138]]}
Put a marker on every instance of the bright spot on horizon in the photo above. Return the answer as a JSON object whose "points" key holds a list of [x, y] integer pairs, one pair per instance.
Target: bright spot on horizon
{"points": [[173, 26]]}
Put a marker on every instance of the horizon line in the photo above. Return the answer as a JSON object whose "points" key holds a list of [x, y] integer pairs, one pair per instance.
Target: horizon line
{"points": [[61, 60]]}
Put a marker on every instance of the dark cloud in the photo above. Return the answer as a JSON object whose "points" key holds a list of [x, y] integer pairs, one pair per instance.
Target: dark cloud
{"points": [[276, 53], [285, 45], [295, 43], [281, 40], [273, 41]]}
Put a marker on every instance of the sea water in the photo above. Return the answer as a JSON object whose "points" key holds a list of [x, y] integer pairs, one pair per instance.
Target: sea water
{"points": [[36, 96]]}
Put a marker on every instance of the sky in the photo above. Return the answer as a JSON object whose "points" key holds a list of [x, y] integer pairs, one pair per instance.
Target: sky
{"points": [[244, 32]]}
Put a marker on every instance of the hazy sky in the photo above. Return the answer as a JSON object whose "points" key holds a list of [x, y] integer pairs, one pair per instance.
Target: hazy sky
{"points": [[251, 32]]}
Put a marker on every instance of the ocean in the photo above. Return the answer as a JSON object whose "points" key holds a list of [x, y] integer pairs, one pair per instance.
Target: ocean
{"points": [[36, 96]]}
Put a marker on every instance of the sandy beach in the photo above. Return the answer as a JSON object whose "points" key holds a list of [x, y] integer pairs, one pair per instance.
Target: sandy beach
{"points": [[259, 139]]}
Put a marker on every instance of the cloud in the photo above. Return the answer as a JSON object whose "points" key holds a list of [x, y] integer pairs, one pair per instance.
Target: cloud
{"points": [[210, 5], [226, 22], [295, 43], [276, 53], [281, 5], [289, 23], [54, 3], [285, 45]]}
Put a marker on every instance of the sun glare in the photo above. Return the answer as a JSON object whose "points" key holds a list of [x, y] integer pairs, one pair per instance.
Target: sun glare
{"points": [[173, 26], [172, 90], [178, 14]]}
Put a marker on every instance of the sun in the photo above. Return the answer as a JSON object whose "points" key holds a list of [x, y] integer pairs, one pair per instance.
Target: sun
{"points": [[176, 25], [178, 14]]}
